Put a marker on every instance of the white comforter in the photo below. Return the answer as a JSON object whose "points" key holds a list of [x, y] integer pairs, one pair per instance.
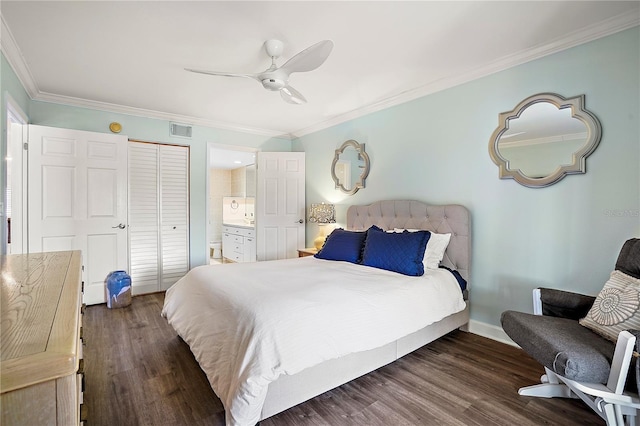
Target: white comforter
{"points": [[249, 323]]}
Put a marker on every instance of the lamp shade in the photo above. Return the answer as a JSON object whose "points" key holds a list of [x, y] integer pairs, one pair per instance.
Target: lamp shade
{"points": [[322, 213]]}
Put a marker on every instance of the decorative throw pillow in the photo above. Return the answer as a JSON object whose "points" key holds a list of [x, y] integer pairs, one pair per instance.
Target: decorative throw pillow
{"points": [[436, 247], [342, 245], [616, 307], [397, 252]]}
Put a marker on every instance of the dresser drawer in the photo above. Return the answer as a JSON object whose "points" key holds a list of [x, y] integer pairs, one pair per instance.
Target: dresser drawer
{"points": [[80, 387], [228, 238], [236, 257], [236, 230]]}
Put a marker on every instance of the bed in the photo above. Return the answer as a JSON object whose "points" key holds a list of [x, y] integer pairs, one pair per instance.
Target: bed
{"points": [[264, 353]]}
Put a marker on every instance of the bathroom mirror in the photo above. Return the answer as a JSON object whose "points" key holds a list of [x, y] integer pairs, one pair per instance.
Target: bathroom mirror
{"points": [[250, 180], [350, 167], [543, 139]]}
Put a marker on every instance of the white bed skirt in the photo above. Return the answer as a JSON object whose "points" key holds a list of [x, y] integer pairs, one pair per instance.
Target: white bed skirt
{"points": [[289, 391]]}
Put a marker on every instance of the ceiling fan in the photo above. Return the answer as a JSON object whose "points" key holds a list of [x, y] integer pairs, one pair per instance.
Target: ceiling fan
{"points": [[277, 78]]}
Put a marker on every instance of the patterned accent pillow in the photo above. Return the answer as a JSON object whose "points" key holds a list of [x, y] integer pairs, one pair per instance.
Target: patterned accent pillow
{"points": [[616, 307], [397, 252]]}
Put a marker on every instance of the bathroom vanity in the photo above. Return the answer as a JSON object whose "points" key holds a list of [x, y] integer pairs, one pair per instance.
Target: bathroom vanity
{"points": [[238, 229], [239, 243]]}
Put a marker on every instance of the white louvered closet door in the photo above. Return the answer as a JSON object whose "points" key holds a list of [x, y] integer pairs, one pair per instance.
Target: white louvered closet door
{"points": [[174, 213], [158, 215], [144, 217]]}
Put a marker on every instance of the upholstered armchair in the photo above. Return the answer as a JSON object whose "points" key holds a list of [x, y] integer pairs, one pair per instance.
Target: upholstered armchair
{"points": [[579, 362]]}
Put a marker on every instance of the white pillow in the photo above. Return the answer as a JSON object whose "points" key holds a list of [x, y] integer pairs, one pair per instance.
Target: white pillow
{"points": [[436, 247]]}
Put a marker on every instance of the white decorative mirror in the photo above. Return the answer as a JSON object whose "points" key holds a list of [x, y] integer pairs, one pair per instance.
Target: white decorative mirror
{"points": [[350, 167], [543, 139]]}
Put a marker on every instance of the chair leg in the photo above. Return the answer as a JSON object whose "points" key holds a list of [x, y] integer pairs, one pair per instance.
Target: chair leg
{"points": [[630, 416], [550, 387], [549, 377], [547, 390], [612, 416], [631, 420]]}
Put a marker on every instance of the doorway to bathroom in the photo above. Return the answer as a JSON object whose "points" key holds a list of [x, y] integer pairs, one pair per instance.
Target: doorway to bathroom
{"points": [[231, 190]]}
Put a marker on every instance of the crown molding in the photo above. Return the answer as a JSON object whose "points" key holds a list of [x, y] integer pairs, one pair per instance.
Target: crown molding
{"points": [[594, 32], [147, 113], [613, 25]]}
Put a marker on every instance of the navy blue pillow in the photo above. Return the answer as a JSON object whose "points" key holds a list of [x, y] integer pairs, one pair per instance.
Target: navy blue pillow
{"points": [[397, 252], [342, 245], [461, 281]]}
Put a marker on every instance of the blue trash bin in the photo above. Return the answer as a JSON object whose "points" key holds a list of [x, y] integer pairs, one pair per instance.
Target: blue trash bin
{"points": [[118, 289]]}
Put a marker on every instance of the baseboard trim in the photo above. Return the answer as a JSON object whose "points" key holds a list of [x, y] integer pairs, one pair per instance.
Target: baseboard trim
{"points": [[489, 331]]}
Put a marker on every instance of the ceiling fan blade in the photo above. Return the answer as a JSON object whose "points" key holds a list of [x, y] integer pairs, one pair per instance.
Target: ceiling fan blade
{"points": [[310, 58], [223, 74], [292, 96]]}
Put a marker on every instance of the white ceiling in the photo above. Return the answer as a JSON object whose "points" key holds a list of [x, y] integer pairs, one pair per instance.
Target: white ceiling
{"points": [[128, 56], [229, 159]]}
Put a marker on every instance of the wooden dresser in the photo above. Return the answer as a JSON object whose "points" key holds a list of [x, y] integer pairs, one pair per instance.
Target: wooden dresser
{"points": [[41, 372]]}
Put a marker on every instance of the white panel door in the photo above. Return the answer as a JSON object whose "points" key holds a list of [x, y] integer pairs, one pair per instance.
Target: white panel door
{"points": [[17, 187], [280, 204], [174, 213], [77, 200]]}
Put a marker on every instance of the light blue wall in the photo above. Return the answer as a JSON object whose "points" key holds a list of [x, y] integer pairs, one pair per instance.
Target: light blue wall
{"points": [[141, 128], [10, 84], [435, 149]]}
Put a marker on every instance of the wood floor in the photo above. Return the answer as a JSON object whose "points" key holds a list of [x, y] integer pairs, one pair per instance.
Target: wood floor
{"points": [[140, 373]]}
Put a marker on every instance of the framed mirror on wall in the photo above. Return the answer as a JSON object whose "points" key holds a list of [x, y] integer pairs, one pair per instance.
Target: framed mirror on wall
{"points": [[350, 167], [543, 139]]}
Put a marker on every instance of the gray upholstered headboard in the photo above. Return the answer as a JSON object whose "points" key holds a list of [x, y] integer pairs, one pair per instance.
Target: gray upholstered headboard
{"points": [[451, 218]]}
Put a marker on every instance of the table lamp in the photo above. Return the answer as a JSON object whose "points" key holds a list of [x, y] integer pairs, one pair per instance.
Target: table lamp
{"points": [[322, 214]]}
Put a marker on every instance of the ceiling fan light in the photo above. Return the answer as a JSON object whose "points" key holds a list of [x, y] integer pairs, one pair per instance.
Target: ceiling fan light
{"points": [[273, 84]]}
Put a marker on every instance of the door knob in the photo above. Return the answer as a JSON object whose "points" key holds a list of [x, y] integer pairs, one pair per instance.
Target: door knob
{"points": [[120, 226], [300, 221]]}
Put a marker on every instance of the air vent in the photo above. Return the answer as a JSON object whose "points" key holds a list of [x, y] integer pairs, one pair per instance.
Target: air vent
{"points": [[181, 130]]}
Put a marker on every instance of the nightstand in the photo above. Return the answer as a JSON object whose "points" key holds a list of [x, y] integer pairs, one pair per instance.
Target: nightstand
{"points": [[307, 252]]}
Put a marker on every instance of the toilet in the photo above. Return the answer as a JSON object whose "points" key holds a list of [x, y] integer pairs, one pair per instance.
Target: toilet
{"points": [[216, 249]]}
